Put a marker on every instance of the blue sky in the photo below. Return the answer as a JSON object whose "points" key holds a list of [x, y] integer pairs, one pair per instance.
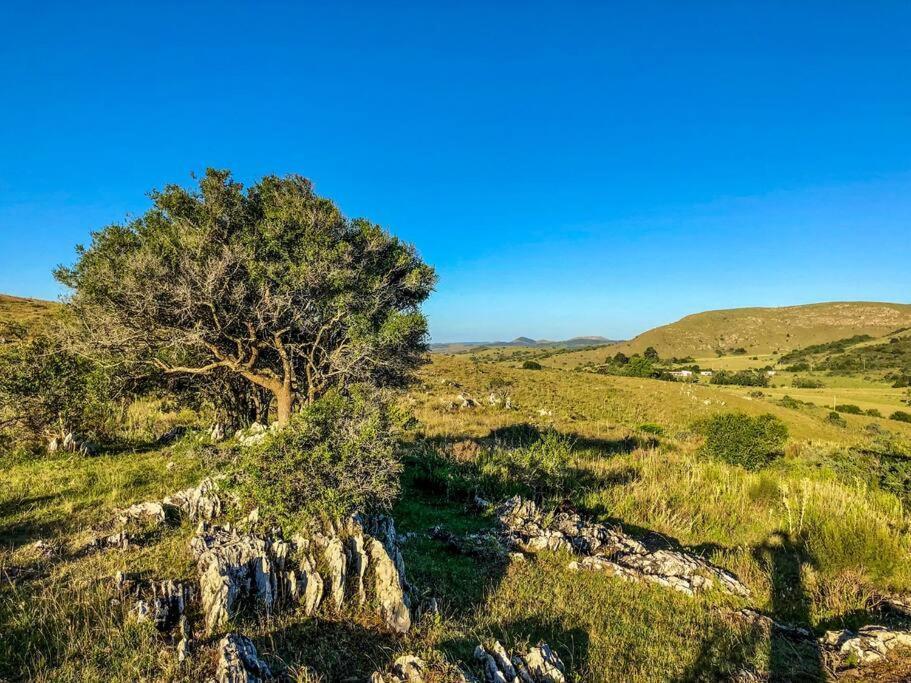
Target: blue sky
{"points": [[569, 168]]}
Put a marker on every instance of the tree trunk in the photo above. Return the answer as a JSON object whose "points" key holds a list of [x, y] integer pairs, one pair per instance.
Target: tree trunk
{"points": [[284, 399]]}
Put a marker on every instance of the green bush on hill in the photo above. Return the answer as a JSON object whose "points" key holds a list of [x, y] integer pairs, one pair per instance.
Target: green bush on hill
{"points": [[850, 409], [531, 365], [807, 383], [738, 439], [900, 416], [744, 378], [834, 418]]}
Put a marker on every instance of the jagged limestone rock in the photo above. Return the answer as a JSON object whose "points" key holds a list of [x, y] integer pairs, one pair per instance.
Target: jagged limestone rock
{"points": [[539, 665], [406, 669], [336, 567], [386, 586], [605, 549], [269, 572], [142, 513], [231, 565], [197, 503], [183, 646], [357, 564], [239, 662], [867, 645]]}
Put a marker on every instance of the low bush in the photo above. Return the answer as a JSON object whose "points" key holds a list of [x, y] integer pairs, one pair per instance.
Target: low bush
{"points": [[531, 365], [744, 378], [738, 439], [836, 419], [900, 416], [542, 468], [807, 383], [336, 456], [850, 409], [873, 412]]}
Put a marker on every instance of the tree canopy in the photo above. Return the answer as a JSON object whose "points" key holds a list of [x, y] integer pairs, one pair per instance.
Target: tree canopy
{"points": [[270, 283]]}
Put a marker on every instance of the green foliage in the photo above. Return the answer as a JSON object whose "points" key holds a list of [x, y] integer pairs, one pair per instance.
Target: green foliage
{"points": [[836, 419], [738, 439], [807, 383], [46, 390], [873, 412], [827, 347], [271, 283], [745, 378], [650, 354], [850, 409], [336, 456], [531, 365], [900, 416]]}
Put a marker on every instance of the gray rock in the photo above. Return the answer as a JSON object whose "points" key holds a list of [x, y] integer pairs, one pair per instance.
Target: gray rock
{"points": [[386, 587], [867, 645], [606, 549], [539, 665], [238, 661], [197, 503]]}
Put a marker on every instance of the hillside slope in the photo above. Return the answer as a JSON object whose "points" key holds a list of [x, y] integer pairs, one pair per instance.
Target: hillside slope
{"points": [[22, 311], [762, 330]]}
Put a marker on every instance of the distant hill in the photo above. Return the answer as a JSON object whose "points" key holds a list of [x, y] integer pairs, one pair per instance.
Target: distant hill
{"points": [[528, 342], [762, 330], [22, 311]]}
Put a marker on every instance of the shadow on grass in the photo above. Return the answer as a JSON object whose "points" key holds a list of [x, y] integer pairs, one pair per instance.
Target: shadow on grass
{"points": [[792, 657], [335, 650]]}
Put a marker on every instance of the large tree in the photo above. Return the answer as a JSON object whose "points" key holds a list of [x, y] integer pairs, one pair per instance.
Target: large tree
{"points": [[270, 283]]}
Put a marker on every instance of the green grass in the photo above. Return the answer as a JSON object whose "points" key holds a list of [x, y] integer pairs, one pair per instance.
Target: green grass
{"points": [[814, 536]]}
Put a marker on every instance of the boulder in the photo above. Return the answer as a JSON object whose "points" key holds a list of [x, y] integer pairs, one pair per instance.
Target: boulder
{"points": [[239, 662], [197, 503], [867, 645], [387, 587], [603, 548]]}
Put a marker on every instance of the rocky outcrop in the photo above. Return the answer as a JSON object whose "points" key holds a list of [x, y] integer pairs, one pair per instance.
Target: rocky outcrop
{"points": [[867, 645], [163, 603], [539, 665], [607, 549], [266, 571], [255, 434], [197, 503], [69, 443], [239, 662], [406, 669]]}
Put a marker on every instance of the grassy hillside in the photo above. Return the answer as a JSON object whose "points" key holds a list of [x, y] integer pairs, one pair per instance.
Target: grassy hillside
{"points": [[759, 330], [18, 310]]}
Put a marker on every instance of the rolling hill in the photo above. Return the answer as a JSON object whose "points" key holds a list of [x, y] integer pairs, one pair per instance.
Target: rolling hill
{"points": [[761, 330], [526, 342], [22, 311]]}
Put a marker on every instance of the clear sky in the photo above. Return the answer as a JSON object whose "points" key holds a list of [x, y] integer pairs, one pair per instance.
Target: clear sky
{"points": [[569, 168]]}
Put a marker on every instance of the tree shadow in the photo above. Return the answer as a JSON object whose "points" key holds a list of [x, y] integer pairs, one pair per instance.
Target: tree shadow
{"points": [[335, 649], [793, 656], [790, 659]]}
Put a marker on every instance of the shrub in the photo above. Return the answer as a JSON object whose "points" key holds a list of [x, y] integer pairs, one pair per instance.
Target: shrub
{"points": [[336, 456], [850, 409], [744, 378], [650, 428], [790, 402], [873, 412], [836, 419], [46, 391], [738, 439], [807, 383], [900, 416], [531, 365]]}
